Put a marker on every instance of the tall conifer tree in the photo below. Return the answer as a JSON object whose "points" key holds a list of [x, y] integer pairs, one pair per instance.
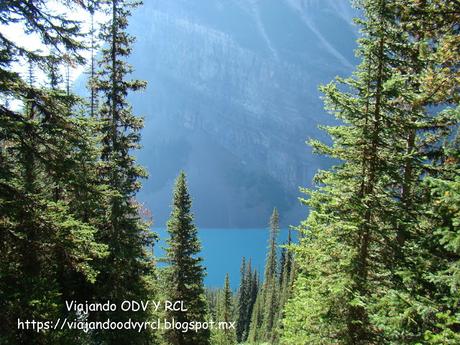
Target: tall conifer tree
{"points": [[367, 243], [128, 268], [226, 335], [243, 293], [247, 295], [265, 312], [185, 272], [427, 64], [48, 162]]}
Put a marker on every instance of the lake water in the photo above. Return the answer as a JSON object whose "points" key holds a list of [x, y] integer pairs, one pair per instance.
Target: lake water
{"points": [[223, 249]]}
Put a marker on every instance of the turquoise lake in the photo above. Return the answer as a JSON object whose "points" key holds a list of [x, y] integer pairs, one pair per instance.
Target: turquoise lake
{"points": [[223, 249]]}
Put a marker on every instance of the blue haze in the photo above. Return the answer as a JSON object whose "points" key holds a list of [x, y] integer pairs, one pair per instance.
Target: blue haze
{"points": [[232, 96]]}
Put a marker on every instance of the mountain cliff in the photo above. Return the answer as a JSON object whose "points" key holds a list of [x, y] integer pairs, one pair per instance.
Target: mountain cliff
{"points": [[232, 97]]}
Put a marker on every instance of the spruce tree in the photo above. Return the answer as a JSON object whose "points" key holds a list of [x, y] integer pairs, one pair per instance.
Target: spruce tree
{"points": [[212, 297], [340, 247], [185, 272], [285, 284], [426, 61], [93, 6], [445, 192], [243, 293], [126, 272], [253, 294], [254, 335], [47, 241], [225, 336], [271, 281], [367, 255], [246, 298], [265, 311], [227, 309]]}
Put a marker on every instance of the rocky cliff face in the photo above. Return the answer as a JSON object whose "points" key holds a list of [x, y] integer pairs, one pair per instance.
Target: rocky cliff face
{"points": [[232, 97]]}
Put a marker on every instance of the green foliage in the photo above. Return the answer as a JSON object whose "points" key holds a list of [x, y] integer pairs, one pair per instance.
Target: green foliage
{"points": [[225, 313], [247, 295], [61, 238], [265, 313], [126, 272], [286, 278], [48, 180], [377, 261], [185, 272]]}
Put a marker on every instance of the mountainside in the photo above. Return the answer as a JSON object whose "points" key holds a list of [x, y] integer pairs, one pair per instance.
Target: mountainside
{"points": [[232, 97]]}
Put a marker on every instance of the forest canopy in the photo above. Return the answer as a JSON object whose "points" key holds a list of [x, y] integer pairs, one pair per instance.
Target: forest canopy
{"points": [[377, 259]]}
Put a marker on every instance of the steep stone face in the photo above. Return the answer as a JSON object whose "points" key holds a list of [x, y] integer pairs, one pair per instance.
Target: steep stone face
{"points": [[232, 97]]}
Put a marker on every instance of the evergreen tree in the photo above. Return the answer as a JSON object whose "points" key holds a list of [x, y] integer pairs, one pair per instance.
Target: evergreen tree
{"points": [[254, 336], [285, 284], [93, 101], [330, 304], [270, 285], [445, 329], [281, 265], [212, 297], [254, 292], [47, 242], [243, 293], [226, 336], [126, 273], [427, 63], [227, 306], [247, 295], [186, 273], [264, 315], [365, 262], [286, 267]]}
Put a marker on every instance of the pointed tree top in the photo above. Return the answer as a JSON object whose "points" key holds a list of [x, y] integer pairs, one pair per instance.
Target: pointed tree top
{"points": [[274, 219]]}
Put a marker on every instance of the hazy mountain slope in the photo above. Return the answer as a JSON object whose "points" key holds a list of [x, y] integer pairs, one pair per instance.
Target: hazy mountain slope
{"points": [[232, 97]]}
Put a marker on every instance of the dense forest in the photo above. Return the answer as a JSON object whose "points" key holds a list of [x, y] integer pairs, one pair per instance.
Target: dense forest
{"points": [[377, 260]]}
